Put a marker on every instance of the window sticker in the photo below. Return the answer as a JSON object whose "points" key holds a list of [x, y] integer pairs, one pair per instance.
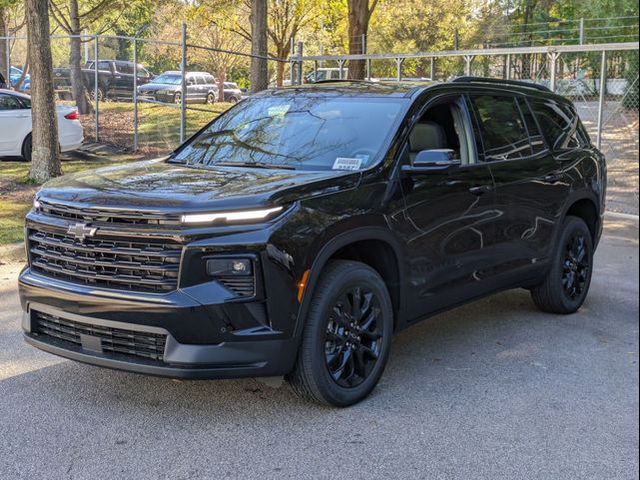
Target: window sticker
{"points": [[344, 163]]}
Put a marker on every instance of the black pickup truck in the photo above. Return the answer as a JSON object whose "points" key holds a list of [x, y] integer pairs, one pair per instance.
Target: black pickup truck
{"points": [[115, 79]]}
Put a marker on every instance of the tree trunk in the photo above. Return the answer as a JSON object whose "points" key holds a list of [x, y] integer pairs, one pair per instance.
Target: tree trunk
{"points": [[45, 163], [78, 88], [4, 44], [359, 16], [282, 51], [259, 70]]}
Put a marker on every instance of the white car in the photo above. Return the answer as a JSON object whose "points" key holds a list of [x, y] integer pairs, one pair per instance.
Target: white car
{"points": [[15, 126]]}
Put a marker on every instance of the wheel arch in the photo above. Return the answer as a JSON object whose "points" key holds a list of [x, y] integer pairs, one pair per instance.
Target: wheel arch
{"points": [[373, 246], [586, 207]]}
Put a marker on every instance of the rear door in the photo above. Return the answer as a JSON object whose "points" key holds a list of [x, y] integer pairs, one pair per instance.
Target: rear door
{"points": [[529, 192], [15, 124]]}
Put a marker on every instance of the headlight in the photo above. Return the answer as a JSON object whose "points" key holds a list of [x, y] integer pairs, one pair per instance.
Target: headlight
{"points": [[36, 204], [237, 216]]}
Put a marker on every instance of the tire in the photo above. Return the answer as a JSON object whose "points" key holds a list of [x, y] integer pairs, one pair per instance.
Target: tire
{"points": [[101, 94], [335, 366], [566, 285], [211, 99], [27, 148]]}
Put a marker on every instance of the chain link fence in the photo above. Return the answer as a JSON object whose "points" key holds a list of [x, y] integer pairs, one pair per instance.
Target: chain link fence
{"points": [[601, 80], [142, 94]]}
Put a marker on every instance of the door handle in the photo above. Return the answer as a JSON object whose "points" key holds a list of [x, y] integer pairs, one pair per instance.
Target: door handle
{"points": [[551, 178], [481, 189]]}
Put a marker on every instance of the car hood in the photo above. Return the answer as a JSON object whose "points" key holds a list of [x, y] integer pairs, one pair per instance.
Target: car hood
{"points": [[160, 186], [154, 87]]}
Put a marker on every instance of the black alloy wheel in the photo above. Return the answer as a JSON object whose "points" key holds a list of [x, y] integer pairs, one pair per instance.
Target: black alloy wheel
{"points": [[347, 335], [353, 337], [575, 267], [566, 285]]}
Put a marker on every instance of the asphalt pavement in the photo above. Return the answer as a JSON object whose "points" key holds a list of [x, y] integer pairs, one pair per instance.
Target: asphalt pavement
{"points": [[494, 389]]}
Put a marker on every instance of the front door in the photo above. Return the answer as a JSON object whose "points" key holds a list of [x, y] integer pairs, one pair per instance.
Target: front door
{"points": [[450, 213]]}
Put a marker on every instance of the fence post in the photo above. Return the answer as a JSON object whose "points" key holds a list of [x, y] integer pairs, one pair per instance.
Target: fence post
{"points": [[467, 67], [603, 88], [433, 68], [292, 63], [300, 51], [508, 67], [399, 68], [368, 69], [8, 52], [455, 39], [86, 46], [96, 88], [581, 36], [553, 57], [135, 94], [183, 87]]}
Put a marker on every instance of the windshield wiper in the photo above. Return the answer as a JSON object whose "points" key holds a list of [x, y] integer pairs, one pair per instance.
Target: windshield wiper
{"points": [[281, 166]]}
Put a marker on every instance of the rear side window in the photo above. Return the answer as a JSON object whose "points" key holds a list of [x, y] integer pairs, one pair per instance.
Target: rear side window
{"points": [[125, 68], [502, 128], [209, 80], [560, 124], [9, 102]]}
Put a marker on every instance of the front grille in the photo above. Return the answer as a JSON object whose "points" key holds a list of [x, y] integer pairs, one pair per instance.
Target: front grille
{"points": [[145, 345], [240, 285], [89, 215], [129, 264]]}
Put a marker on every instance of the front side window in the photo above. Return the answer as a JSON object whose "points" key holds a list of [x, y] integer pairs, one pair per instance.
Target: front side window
{"points": [[560, 125], [441, 127], [501, 127], [310, 132]]}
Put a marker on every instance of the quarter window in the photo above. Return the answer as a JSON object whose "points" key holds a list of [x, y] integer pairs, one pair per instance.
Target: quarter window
{"points": [[559, 125], [502, 128]]}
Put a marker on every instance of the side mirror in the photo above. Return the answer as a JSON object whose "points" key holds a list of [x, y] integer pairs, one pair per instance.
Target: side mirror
{"points": [[432, 160]]}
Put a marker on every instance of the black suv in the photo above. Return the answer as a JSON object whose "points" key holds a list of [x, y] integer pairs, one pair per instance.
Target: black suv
{"points": [[299, 230]]}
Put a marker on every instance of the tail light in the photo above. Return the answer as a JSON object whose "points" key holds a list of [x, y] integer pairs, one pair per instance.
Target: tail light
{"points": [[72, 115]]}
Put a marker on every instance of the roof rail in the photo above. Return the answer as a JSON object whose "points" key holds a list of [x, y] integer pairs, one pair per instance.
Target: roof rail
{"points": [[341, 80], [499, 81]]}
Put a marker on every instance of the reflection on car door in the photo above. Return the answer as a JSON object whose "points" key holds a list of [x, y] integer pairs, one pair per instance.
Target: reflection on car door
{"points": [[449, 213], [529, 192]]}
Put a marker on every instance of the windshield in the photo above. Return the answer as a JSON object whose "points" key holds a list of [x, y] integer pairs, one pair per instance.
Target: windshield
{"points": [[302, 132], [168, 79]]}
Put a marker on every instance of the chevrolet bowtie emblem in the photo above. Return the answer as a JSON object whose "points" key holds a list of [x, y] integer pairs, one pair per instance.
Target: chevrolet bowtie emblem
{"points": [[80, 231]]}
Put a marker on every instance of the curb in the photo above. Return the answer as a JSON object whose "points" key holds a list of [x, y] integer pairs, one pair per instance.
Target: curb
{"points": [[624, 216]]}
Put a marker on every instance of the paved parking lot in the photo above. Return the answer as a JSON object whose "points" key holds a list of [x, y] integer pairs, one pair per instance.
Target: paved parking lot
{"points": [[491, 390]]}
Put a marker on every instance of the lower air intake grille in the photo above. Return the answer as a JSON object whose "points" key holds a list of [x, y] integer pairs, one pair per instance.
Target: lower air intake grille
{"points": [[240, 285], [131, 343]]}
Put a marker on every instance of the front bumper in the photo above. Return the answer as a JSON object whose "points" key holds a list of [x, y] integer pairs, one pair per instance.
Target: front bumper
{"points": [[200, 340]]}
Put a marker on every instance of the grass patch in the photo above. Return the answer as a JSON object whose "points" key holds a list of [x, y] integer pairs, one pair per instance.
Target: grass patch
{"points": [[17, 191], [12, 221]]}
